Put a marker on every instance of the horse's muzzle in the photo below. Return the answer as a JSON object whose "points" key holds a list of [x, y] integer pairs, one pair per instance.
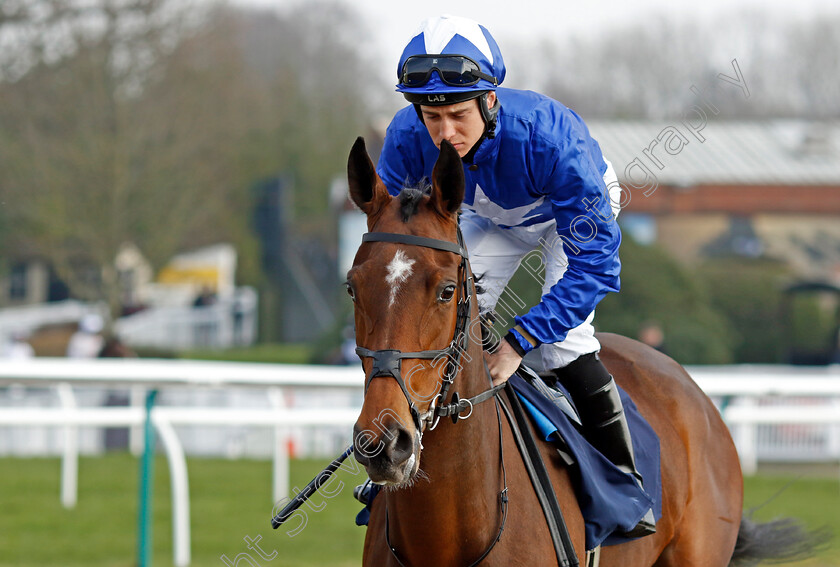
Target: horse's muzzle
{"points": [[389, 453]]}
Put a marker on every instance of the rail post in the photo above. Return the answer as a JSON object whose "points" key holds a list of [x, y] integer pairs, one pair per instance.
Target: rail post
{"points": [[147, 471]]}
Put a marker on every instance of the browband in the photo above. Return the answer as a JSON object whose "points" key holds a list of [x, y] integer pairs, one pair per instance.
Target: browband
{"points": [[415, 241]]}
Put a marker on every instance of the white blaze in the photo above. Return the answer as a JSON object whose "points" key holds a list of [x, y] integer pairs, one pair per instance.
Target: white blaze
{"points": [[398, 271]]}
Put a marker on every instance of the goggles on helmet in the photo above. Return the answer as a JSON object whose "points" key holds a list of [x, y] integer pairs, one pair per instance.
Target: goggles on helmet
{"points": [[454, 70]]}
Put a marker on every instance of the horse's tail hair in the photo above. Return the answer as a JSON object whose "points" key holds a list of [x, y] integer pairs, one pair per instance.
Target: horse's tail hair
{"points": [[783, 539]]}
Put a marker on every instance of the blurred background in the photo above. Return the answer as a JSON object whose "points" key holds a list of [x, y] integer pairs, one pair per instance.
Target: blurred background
{"points": [[172, 185], [178, 167]]}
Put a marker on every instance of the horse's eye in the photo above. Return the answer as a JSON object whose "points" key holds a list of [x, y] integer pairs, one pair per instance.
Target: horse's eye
{"points": [[447, 294], [350, 291]]}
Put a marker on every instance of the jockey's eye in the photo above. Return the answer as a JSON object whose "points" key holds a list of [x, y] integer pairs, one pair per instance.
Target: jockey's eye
{"points": [[447, 294], [350, 291]]}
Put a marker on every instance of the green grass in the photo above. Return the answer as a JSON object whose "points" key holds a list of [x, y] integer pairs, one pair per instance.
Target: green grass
{"points": [[232, 499], [229, 501], [813, 501], [286, 353]]}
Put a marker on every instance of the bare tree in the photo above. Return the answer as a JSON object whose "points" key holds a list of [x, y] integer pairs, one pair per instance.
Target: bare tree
{"points": [[646, 68], [316, 91], [141, 121], [92, 156]]}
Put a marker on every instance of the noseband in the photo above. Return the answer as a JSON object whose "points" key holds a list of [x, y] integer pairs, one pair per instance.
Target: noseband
{"points": [[388, 362]]}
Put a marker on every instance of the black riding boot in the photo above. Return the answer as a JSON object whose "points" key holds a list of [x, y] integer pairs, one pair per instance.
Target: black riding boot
{"points": [[605, 426]]}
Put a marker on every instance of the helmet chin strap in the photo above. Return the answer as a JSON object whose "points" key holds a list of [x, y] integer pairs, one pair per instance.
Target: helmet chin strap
{"points": [[488, 114]]}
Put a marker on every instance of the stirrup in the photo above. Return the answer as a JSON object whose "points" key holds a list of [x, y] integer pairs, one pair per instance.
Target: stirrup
{"points": [[645, 527], [362, 492]]}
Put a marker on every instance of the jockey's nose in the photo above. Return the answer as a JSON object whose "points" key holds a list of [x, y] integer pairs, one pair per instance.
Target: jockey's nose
{"points": [[447, 129], [382, 449]]}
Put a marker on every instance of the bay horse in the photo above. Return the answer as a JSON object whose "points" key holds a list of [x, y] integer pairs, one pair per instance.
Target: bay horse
{"points": [[472, 501]]}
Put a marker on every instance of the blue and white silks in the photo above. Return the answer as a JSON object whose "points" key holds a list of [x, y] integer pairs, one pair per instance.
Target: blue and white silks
{"points": [[541, 167]]}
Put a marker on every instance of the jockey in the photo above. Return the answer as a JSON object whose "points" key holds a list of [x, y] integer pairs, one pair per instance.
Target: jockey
{"points": [[534, 178]]}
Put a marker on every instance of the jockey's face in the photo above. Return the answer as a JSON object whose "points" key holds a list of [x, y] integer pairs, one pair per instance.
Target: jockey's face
{"points": [[461, 124]]}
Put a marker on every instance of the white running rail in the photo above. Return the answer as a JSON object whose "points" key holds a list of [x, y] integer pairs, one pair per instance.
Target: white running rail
{"points": [[742, 393]]}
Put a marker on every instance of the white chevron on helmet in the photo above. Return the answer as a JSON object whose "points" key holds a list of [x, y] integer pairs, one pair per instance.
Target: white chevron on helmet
{"points": [[438, 31]]}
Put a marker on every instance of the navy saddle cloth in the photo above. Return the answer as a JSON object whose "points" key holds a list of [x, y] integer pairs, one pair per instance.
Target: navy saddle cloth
{"points": [[611, 501]]}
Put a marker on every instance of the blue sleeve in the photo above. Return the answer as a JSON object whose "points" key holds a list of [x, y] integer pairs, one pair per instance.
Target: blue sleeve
{"points": [[391, 167], [396, 166], [572, 178]]}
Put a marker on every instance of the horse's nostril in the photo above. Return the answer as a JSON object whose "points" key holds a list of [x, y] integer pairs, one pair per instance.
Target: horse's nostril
{"points": [[402, 447], [385, 449]]}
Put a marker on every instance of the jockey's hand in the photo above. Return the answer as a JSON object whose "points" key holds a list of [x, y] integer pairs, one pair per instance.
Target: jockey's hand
{"points": [[502, 363]]}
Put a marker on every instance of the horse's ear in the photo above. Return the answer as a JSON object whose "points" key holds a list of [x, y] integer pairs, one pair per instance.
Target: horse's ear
{"points": [[448, 180], [366, 188]]}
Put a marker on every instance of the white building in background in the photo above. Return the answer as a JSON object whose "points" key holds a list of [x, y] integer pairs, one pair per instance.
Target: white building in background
{"points": [[210, 268], [193, 303], [162, 311]]}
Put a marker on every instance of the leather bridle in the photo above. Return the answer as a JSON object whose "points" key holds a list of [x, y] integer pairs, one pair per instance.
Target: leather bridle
{"points": [[388, 362]]}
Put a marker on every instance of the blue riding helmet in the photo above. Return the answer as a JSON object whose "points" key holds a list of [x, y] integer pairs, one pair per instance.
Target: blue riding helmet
{"points": [[450, 60]]}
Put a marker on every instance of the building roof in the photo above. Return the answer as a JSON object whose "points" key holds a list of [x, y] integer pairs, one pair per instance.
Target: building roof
{"points": [[773, 152]]}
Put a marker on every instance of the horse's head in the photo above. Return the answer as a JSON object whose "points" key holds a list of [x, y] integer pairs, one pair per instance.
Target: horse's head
{"points": [[406, 292]]}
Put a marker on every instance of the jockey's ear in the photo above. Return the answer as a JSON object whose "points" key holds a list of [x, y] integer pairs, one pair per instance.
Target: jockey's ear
{"points": [[366, 188], [448, 180]]}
